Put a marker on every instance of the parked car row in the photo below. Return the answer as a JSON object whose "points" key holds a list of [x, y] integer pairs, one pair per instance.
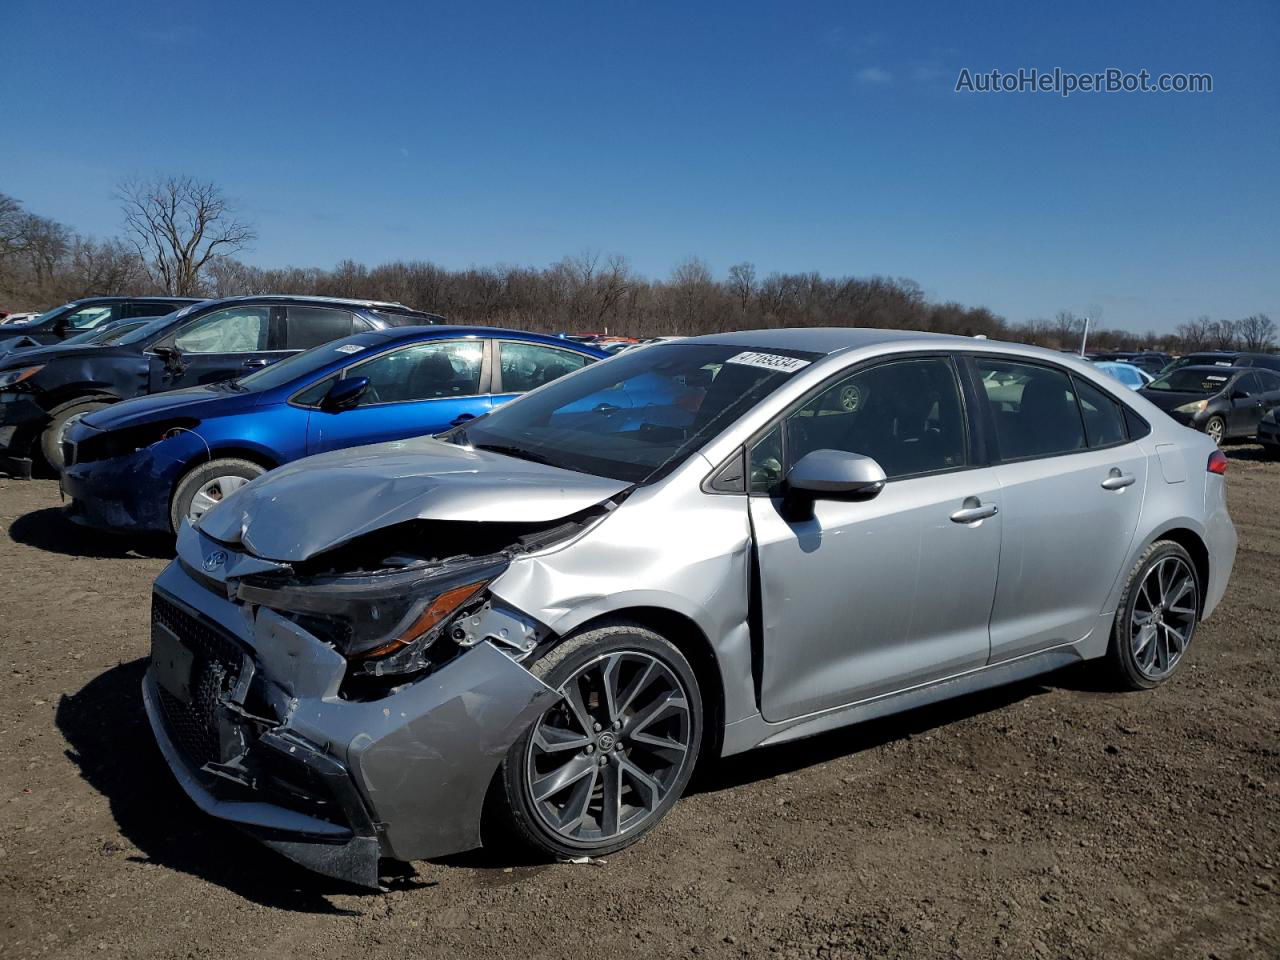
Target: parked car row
{"points": [[45, 388]]}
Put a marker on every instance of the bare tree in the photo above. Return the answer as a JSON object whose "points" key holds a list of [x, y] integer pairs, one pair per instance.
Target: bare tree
{"points": [[1222, 334], [742, 284], [180, 225], [1257, 332]]}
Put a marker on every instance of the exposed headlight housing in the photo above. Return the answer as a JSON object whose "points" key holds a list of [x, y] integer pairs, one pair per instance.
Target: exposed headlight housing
{"points": [[1195, 407], [11, 378], [384, 623]]}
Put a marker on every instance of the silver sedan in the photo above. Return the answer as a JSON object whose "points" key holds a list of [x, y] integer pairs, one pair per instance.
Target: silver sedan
{"points": [[544, 619]]}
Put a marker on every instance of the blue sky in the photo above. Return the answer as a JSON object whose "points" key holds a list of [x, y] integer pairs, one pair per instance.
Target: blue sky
{"points": [[796, 135]]}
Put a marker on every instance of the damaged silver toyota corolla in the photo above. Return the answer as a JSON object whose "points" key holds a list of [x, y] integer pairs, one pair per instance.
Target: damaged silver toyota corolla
{"points": [[549, 613]]}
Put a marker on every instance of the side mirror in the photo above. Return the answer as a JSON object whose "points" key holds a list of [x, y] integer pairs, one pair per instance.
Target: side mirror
{"points": [[835, 475], [344, 394]]}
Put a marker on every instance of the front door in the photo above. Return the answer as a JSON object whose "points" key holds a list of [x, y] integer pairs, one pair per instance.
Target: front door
{"points": [[414, 391], [218, 346], [1248, 403], [867, 598]]}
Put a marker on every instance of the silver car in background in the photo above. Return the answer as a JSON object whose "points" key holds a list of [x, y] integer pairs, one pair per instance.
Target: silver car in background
{"points": [[549, 615]]}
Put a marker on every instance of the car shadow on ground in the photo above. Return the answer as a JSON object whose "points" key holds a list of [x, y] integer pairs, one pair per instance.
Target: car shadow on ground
{"points": [[1253, 452], [111, 743], [764, 763], [51, 531]]}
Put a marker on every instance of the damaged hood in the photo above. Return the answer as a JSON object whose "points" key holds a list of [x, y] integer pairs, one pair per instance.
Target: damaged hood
{"points": [[318, 503]]}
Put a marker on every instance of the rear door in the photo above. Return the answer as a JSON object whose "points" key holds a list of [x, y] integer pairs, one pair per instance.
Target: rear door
{"points": [[306, 326], [217, 346], [1270, 382], [416, 390], [1071, 487]]}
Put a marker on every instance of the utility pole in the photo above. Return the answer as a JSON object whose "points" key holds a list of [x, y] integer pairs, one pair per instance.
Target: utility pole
{"points": [[1084, 339]]}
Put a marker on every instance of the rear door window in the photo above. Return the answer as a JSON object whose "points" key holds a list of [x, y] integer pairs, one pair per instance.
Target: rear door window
{"points": [[1034, 408], [1103, 416], [526, 366], [307, 327], [86, 318]]}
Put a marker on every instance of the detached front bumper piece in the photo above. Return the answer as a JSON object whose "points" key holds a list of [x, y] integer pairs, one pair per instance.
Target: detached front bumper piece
{"points": [[246, 710]]}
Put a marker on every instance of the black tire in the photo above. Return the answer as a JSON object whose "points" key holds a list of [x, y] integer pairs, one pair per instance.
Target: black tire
{"points": [[583, 652], [1272, 450], [1123, 663], [1216, 428], [51, 439], [184, 493]]}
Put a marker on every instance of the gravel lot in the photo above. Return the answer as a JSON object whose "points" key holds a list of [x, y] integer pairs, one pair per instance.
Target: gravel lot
{"points": [[1048, 819]]}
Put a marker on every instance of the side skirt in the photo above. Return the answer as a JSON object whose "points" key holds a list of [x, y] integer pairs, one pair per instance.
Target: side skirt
{"points": [[757, 732]]}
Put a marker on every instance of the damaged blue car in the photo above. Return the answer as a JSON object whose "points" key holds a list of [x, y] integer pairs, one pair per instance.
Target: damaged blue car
{"points": [[149, 463]]}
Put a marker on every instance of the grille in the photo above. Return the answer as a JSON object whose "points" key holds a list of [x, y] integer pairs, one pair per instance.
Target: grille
{"points": [[214, 672]]}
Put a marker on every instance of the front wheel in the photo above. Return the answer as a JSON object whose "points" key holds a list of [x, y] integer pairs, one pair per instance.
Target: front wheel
{"points": [[1216, 428], [602, 766], [1156, 618], [208, 485]]}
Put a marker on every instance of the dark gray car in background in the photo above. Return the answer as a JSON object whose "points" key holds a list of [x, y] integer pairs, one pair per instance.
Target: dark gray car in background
{"points": [[549, 615]]}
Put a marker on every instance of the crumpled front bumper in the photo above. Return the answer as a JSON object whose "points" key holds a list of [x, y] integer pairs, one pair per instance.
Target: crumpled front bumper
{"points": [[403, 776], [130, 491], [21, 421]]}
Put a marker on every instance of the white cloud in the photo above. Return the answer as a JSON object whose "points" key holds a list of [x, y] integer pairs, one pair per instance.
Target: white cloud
{"points": [[876, 76]]}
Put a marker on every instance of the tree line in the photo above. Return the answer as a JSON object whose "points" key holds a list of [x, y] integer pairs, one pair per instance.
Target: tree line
{"points": [[182, 236]]}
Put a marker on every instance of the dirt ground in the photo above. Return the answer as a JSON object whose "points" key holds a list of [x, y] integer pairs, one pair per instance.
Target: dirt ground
{"points": [[1048, 819]]}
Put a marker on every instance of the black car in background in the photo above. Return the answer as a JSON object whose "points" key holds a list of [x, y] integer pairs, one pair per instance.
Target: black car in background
{"points": [[76, 317], [208, 341], [1225, 358], [1224, 402]]}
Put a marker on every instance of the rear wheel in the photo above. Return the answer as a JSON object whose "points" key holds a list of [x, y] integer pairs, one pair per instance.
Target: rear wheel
{"points": [[56, 431], [602, 766], [208, 485], [1216, 428], [1156, 618]]}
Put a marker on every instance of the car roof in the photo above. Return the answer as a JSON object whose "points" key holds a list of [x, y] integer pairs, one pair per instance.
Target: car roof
{"points": [[1212, 368], [830, 340], [308, 298], [444, 330], [118, 299]]}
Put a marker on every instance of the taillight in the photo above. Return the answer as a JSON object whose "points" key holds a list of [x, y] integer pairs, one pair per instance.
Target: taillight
{"points": [[1218, 462]]}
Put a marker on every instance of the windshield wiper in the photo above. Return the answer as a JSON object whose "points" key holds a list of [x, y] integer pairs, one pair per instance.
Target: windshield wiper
{"points": [[519, 453]]}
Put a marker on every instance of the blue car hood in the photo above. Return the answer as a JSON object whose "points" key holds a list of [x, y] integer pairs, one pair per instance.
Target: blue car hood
{"points": [[315, 504], [193, 402]]}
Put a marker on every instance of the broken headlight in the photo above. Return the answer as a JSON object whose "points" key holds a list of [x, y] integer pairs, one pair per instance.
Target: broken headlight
{"points": [[383, 622]]}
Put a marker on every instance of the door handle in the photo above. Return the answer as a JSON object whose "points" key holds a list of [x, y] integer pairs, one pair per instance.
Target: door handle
{"points": [[974, 510], [605, 408], [256, 362], [461, 418], [1118, 481]]}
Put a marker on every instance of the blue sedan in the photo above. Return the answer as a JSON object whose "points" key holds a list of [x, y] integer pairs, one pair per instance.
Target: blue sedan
{"points": [[149, 463]]}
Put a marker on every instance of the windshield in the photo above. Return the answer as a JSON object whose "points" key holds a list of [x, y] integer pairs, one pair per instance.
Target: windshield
{"points": [[639, 415], [47, 315], [309, 361], [138, 334], [1191, 380]]}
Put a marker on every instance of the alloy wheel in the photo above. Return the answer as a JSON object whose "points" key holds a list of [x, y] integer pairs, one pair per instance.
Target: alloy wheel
{"points": [[601, 761], [212, 493], [1214, 429], [1163, 618]]}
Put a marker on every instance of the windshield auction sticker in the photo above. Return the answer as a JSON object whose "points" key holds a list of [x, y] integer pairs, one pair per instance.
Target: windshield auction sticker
{"points": [[349, 348], [769, 361]]}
